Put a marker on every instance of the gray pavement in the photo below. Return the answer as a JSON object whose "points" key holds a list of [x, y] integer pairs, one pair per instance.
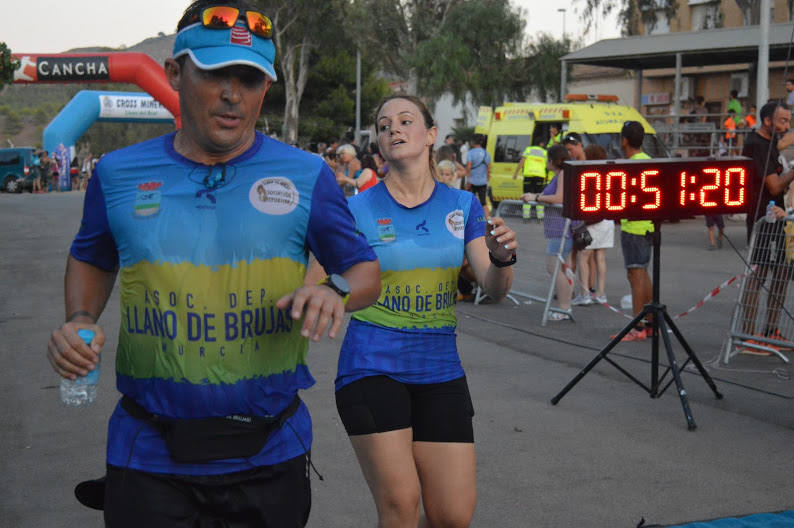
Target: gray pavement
{"points": [[606, 456]]}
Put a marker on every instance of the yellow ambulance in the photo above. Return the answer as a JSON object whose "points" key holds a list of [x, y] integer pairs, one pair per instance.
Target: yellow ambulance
{"points": [[514, 126]]}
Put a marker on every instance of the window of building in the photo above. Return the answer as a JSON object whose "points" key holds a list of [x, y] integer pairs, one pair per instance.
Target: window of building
{"points": [[705, 15], [740, 82]]}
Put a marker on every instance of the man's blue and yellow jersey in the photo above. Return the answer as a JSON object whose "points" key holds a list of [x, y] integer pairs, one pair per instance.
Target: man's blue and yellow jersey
{"points": [[409, 334], [204, 253]]}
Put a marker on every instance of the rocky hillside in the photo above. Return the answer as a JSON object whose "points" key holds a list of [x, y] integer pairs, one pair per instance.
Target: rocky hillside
{"points": [[26, 109]]}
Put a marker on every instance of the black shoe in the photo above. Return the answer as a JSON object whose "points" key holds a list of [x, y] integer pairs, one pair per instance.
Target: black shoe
{"points": [[91, 493]]}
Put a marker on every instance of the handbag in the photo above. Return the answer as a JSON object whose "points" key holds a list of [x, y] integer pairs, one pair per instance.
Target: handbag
{"points": [[581, 236]]}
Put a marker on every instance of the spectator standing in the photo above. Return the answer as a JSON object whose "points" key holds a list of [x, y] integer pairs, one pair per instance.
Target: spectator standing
{"points": [[367, 176], [749, 119], [64, 162], [553, 230], [206, 224], [592, 262], [450, 142], [446, 174], [736, 106], [36, 169], [478, 169], [769, 252], [401, 391], [445, 152], [634, 239], [346, 166], [699, 110], [532, 166], [555, 135]]}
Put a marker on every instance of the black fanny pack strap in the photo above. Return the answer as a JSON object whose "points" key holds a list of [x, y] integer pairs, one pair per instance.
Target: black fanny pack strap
{"points": [[198, 440], [135, 410]]}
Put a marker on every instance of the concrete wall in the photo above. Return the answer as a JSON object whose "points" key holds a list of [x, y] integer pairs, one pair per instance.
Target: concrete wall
{"points": [[449, 116]]}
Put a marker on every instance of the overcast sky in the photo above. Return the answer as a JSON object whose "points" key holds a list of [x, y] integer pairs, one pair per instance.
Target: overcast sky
{"points": [[49, 27]]}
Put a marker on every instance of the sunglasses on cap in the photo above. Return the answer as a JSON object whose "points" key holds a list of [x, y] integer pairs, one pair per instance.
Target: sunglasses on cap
{"points": [[225, 17]]}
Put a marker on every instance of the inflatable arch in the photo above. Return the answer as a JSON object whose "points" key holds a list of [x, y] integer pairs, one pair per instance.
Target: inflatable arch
{"points": [[121, 67], [88, 106]]}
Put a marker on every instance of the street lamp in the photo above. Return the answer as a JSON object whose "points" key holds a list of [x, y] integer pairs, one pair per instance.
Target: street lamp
{"points": [[562, 10]]}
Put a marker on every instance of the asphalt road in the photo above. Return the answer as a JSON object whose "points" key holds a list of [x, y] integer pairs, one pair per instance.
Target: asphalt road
{"points": [[606, 456]]}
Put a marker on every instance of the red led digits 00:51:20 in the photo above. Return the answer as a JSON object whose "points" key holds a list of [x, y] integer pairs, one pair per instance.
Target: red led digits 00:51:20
{"points": [[657, 189]]}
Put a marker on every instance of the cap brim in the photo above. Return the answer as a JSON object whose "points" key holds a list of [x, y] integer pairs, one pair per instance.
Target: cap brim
{"points": [[221, 57]]}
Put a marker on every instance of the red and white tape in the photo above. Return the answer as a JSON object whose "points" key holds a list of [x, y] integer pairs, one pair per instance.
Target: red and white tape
{"points": [[713, 293]]}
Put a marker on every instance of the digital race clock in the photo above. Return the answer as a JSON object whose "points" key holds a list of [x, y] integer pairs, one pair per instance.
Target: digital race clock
{"points": [[657, 189]]}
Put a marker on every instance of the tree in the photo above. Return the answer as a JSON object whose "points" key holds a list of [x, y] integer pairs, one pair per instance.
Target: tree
{"points": [[631, 12], [456, 60], [298, 27], [8, 65], [438, 46], [542, 66]]}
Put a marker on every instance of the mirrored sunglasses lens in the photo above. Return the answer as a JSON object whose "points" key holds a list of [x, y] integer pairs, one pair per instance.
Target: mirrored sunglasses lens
{"points": [[220, 17], [259, 24]]}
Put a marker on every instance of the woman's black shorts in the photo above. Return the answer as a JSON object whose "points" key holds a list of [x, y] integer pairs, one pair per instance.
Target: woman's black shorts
{"points": [[437, 412]]}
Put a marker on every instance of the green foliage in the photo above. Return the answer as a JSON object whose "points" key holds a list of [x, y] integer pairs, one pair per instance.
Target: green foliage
{"points": [[470, 52], [463, 134], [13, 123], [542, 67], [439, 46], [630, 12], [104, 137], [8, 65]]}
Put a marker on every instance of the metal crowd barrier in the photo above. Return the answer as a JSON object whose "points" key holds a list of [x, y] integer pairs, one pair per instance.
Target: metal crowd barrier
{"points": [[762, 321], [534, 281]]}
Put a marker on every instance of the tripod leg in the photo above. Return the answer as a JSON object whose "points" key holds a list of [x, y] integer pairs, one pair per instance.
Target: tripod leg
{"points": [[601, 355], [693, 357], [677, 376]]}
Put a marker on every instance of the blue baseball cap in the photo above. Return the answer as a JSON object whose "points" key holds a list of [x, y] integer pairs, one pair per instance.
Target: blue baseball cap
{"points": [[211, 49]]}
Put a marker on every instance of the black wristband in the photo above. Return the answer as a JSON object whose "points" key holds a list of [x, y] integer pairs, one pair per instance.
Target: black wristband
{"points": [[501, 263]]}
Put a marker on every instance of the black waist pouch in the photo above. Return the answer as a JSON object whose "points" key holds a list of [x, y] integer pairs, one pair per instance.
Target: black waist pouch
{"points": [[206, 439]]}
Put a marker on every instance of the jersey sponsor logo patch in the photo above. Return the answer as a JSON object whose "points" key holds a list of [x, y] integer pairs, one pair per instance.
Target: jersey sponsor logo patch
{"points": [[386, 231], [274, 196], [421, 228], [147, 199], [455, 224]]}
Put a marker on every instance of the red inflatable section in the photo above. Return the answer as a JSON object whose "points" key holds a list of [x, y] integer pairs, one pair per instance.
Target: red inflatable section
{"points": [[122, 67]]}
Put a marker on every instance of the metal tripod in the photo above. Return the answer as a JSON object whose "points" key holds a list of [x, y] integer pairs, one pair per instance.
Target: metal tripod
{"points": [[661, 321]]}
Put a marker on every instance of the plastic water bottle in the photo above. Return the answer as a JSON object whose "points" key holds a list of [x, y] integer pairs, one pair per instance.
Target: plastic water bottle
{"points": [[770, 214], [83, 389]]}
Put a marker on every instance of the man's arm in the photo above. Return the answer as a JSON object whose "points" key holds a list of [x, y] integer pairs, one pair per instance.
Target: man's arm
{"points": [[777, 184], [86, 292], [320, 305], [519, 167], [786, 141]]}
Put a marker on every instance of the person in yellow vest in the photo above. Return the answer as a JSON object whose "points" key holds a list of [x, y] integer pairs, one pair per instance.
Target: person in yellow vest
{"points": [[555, 135], [634, 238], [533, 166]]}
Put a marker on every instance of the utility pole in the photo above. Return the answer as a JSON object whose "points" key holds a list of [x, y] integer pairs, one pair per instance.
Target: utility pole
{"points": [[357, 135]]}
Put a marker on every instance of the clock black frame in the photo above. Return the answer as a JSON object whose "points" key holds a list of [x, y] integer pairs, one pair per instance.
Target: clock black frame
{"points": [[664, 189]]}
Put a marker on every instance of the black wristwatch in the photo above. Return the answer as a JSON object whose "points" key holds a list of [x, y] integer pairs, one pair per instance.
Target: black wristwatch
{"points": [[337, 283], [502, 263]]}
